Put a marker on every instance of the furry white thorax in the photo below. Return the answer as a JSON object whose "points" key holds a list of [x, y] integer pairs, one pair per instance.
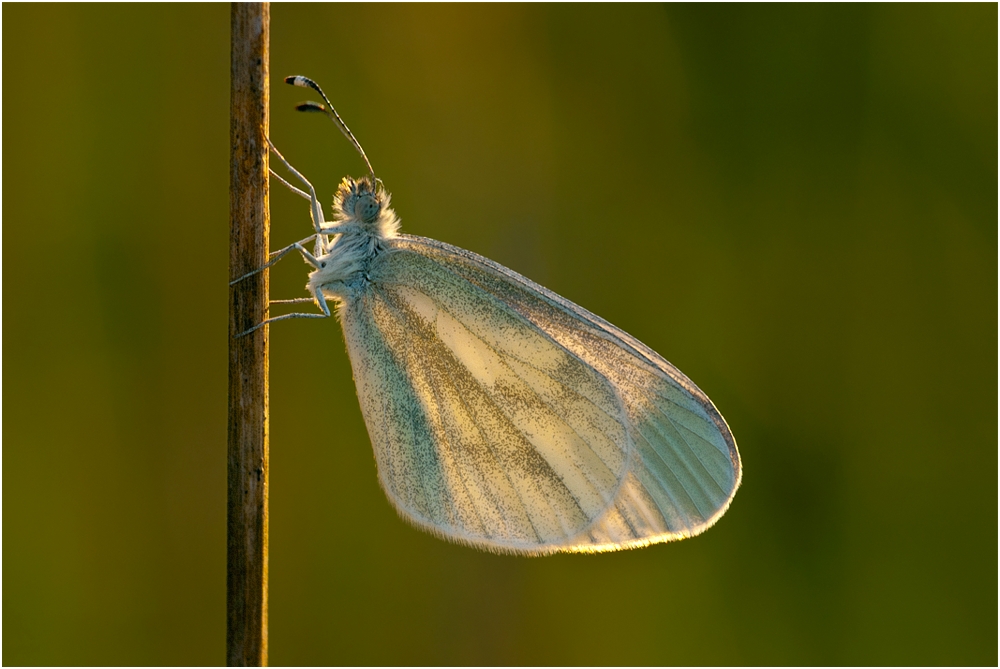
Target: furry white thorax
{"points": [[361, 210]]}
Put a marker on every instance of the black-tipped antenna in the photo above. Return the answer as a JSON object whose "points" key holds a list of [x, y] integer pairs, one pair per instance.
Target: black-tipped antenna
{"points": [[306, 82]]}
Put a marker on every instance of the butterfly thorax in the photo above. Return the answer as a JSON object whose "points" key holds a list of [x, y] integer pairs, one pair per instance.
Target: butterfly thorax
{"points": [[361, 209]]}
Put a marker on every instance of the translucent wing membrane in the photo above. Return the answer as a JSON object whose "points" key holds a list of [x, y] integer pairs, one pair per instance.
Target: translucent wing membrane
{"points": [[506, 417]]}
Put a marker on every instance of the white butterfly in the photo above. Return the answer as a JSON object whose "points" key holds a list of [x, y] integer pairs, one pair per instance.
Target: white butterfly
{"points": [[502, 415]]}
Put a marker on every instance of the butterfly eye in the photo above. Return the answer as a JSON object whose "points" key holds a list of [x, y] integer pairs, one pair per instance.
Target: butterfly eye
{"points": [[367, 208]]}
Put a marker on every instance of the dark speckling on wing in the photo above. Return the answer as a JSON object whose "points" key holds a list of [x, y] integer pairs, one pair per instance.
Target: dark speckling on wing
{"points": [[506, 417]]}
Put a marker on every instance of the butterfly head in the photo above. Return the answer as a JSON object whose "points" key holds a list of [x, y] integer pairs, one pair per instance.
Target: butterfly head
{"points": [[365, 202]]}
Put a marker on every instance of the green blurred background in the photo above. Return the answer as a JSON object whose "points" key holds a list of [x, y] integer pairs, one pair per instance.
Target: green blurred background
{"points": [[796, 205]]}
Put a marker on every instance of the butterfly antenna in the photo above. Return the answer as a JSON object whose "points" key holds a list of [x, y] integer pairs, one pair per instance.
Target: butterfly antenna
{"points": [[306, 82]]}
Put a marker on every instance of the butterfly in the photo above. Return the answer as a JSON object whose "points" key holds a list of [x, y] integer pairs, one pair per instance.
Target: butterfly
{"points": [[502, 415]]}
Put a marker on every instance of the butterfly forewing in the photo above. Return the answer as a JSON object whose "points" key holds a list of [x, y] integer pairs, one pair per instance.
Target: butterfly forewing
{"points": [[506, 417]]}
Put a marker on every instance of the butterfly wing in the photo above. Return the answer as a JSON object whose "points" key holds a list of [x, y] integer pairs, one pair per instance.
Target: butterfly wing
{"points": [[506, 417]]}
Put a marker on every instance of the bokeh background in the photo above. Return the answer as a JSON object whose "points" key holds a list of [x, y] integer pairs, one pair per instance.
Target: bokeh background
{"points": [[796, 205]]}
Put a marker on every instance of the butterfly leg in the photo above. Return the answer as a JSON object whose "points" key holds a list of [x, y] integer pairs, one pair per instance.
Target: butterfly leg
{"points": [[294, 300], [278, 255], [322, 244], [318, 299], [315, 210]]}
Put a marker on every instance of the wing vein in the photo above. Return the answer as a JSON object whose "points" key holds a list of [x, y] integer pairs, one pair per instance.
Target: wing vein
{"points": [[396, 307], [547, 404], [689, 447], [666, 487]]}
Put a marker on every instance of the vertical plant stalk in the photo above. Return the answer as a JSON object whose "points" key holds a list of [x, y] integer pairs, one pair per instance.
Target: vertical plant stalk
{"points": [[246, 575]]}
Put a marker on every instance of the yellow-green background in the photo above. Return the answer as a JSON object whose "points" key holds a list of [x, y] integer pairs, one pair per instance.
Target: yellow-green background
{"points": [[797, 205]]}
